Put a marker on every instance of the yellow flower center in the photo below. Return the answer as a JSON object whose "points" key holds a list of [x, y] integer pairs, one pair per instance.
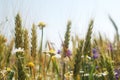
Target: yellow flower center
{"points": [[41, 24], [30, 64], [52, 51], [8, 69]]}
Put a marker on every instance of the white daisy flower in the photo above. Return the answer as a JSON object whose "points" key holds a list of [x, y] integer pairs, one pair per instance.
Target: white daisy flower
{"points": [[18, 50]]}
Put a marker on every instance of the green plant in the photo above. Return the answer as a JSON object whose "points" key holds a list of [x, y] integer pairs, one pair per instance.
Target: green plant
{"points": [[65, 47], [34, 42], [77, 65], [18, 32]]}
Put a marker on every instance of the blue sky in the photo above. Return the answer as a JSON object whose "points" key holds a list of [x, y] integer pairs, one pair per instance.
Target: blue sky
{"points": [[56, 13]]}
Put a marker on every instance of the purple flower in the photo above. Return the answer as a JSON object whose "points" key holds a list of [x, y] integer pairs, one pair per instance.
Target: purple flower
{"points": [[68, 53], [94, 50], [97, 67], [117, 74], [95, 56], [59, 51], [95, 53]]}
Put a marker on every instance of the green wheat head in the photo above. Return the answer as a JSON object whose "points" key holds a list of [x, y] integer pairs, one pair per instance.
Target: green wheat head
{"points": [[87, 43], [26, 42], [2, 51], [100, 40], [115, 26], [77, 64], [67, 35], [9, 52], [110, 69], [34, 42], [18, 32], [65, 46], [20, 66]]}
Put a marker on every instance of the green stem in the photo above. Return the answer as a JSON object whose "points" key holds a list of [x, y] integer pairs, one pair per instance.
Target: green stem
{"points": [[40, 51], [31, 71], [41, 42], [63, 78], [45, 68], [49, 63]]}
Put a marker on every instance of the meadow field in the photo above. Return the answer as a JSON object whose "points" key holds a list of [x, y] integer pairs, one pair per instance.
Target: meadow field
{"points": [[89, 58]]}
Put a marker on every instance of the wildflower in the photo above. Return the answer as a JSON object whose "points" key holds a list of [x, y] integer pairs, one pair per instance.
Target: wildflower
{"points": [[68, 53], [41, 25], [30, 64], [95, 53], [59, 52], [52, 52], [81, 71], [88, 57], [97, 67], [55, 57], [87, 74], [94, 50], [117, 74], [105, 73], [95, 56], [19, 50], [8, 69]]}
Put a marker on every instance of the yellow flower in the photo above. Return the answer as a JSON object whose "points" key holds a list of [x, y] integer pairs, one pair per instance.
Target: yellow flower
{"points": [[41, 24], [52, 52], [8, 69], [30, 64]]}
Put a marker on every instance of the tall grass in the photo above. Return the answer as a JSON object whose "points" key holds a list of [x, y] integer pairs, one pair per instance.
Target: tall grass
{"points": [[87, 59]]}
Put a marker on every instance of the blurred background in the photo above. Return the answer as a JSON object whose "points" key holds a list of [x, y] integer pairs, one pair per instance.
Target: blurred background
{"points": [[56, 13]]}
